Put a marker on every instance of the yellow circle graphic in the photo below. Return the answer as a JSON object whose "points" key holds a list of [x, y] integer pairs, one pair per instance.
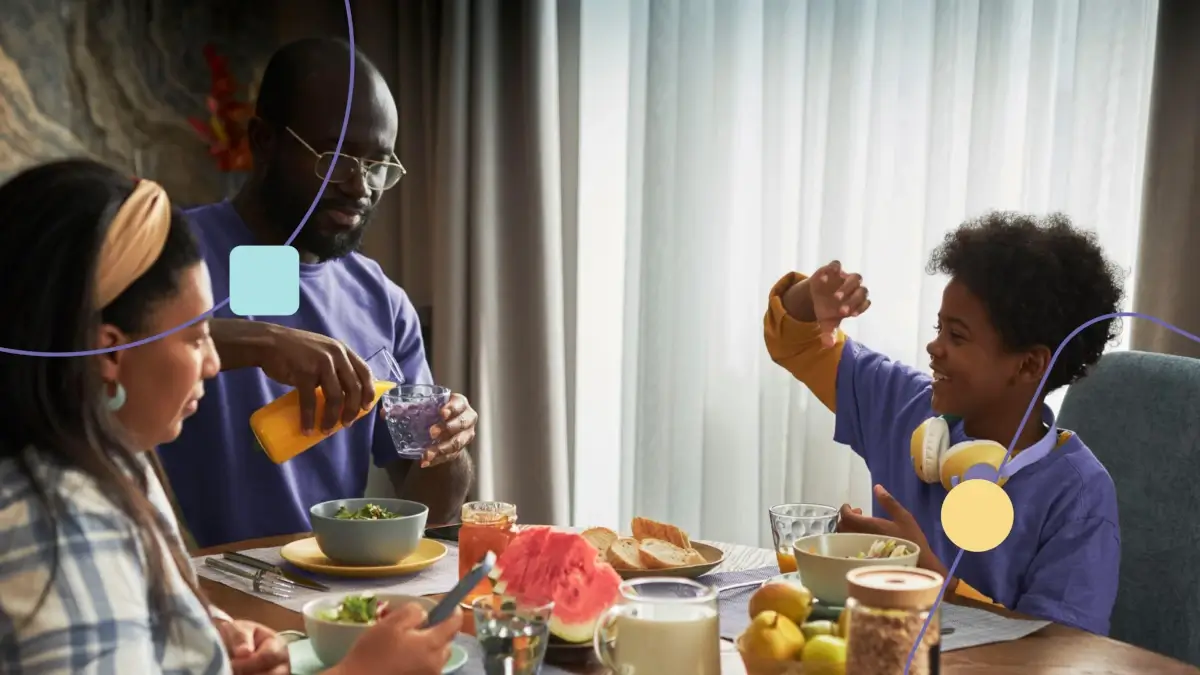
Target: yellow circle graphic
{"points": [[977, 515]]}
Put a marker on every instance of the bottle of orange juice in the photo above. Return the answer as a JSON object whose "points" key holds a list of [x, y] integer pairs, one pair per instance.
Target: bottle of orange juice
{"points": [[277, 424]]}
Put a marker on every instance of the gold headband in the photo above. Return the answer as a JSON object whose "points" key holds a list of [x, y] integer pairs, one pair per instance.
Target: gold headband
{"points": [[134, 241]]}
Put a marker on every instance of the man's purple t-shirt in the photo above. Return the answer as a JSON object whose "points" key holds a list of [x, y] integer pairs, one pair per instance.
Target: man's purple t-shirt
{"points": [[225, 485], [1060, 562]]}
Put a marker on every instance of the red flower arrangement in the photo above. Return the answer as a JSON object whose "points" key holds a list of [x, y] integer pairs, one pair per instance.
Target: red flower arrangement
{"points": [[225, 130]]}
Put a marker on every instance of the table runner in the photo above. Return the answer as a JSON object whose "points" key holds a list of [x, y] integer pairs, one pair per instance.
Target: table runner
{"points": [[438, 578], [971, 627]]}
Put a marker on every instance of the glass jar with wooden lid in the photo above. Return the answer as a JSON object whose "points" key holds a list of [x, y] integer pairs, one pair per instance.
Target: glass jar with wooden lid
{"points": [[887, 609]]}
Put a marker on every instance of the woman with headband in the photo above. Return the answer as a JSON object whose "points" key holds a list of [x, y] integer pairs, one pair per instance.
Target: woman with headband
{"points": [[93, 575]]}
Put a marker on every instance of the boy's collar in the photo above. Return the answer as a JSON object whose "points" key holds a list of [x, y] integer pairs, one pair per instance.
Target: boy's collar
{"points": [[1031, 455]]}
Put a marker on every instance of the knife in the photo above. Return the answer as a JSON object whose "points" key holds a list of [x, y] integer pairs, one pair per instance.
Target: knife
{"points": [[297, 579]]}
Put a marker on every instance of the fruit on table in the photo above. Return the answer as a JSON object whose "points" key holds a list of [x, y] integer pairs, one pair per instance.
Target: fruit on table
{"points": [[788, 598], [824, 655], [843, 623], [773, 637], [541, 563], [815, 628]]}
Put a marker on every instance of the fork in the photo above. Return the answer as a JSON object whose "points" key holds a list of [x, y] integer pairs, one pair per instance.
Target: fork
{"points": [[262, 581]]}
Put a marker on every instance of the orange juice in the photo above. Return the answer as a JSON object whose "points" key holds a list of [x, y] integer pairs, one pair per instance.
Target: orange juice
{"points": [[277, 424], [787, 561], [486, 526]]}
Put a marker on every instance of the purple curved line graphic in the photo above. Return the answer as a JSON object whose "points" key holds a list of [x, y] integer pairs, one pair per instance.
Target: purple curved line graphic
{"points": [[1041, 385], [295, 233]]}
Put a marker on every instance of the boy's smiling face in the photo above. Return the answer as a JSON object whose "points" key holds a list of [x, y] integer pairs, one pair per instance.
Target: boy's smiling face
{"points": [[973, 371]]}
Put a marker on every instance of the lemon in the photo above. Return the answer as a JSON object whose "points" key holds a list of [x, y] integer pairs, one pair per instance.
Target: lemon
{"points": [[815, 628], [773, 637], [824, 655], [789, 598]]}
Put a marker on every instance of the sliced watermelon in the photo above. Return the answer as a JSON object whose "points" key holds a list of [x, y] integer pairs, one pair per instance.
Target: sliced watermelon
{"points": [[545, 564]]}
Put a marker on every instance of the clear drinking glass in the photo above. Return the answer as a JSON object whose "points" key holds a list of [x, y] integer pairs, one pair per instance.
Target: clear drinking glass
{"points": [[661, 625], [410, 411], [790, 522], [513, 633]]}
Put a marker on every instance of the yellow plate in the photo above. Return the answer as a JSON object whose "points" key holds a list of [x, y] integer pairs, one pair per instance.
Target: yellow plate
{"points": [[306, 555]]}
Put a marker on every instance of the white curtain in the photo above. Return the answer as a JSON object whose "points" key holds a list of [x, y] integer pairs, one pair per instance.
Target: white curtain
{"points": [[723, 143]]}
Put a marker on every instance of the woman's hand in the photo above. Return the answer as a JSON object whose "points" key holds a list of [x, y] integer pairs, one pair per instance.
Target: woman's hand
{"points": [[253, 648], [397, 645]]}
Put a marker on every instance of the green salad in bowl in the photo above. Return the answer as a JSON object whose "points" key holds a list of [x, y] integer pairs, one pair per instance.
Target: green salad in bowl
{"points": [[361, 609], [365, 512]]}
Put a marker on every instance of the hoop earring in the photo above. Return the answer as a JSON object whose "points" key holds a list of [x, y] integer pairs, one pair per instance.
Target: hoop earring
{"points": [[117, 400]]}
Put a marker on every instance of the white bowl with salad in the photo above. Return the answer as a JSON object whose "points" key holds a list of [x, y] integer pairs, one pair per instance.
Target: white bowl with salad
{"points": [[369, 532], [823, 560], [334, 624]]}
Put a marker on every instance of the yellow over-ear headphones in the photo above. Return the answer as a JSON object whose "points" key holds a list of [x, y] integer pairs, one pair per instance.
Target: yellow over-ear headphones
{"points": [[936, 461]]}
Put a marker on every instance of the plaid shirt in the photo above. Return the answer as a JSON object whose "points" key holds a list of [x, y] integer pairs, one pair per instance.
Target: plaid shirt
{"points": [[97, 615]]}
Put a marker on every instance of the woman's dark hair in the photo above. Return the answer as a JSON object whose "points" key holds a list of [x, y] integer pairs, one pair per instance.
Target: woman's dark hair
{"points": [[55, 217]]}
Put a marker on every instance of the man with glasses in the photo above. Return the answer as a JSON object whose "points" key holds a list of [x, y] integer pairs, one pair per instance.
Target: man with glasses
{"points": [[224, 485]]}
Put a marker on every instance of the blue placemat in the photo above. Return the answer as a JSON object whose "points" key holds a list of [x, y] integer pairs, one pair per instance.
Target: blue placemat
{"points": [[734, 605]]}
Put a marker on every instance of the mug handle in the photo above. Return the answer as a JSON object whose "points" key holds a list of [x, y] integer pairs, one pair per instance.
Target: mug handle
{"points": [[602, 637]]}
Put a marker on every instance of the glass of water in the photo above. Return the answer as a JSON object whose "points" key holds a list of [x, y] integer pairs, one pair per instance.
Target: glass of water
{"points": [[410, 410], [513, 633]]}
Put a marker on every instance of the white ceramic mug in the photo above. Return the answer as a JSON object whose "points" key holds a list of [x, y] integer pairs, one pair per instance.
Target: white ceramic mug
{"points": [[661, 625]]}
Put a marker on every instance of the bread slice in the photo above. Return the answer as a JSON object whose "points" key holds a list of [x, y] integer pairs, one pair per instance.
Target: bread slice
{"points": [[622, 554], [657, 554], [644, 528], [695, 558], [601, 538]]}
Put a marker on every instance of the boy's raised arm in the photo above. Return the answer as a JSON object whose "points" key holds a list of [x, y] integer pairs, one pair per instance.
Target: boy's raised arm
{"points": [[794, 338]]}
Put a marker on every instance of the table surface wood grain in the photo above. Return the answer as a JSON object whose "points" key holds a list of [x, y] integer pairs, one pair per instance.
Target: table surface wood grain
{"points": [[1054, 650]]}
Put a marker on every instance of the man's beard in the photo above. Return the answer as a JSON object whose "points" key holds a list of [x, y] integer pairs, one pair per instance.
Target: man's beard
{"points": [[286, 211]]}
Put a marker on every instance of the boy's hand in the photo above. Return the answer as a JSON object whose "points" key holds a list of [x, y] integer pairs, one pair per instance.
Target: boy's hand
{"points": [[836, 295], [901, 526]]}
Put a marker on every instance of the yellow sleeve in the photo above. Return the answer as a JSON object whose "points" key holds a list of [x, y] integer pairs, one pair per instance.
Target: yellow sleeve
{"points": [[797, 347], [965, 590]]}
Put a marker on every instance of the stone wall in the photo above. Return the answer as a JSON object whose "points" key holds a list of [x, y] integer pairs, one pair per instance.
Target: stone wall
{"points": [[117, 79]]}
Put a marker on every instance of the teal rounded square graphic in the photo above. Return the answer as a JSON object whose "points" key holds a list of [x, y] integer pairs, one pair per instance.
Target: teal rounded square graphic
{"points": [[264, 280]]}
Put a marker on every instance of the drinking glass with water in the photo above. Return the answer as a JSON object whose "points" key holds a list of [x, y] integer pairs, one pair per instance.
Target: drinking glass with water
{"points": [[513, 633]]}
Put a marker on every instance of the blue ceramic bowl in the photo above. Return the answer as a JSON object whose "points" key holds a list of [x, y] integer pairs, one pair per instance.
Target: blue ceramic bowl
{"points": [[374, 543]]}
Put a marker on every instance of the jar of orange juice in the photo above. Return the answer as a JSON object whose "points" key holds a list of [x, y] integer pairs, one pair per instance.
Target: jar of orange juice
{"points": [[486, 526]]}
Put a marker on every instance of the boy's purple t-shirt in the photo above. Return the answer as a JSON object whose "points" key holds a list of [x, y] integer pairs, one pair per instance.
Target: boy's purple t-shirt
{"points": [[1061, 561], [226, 487]]}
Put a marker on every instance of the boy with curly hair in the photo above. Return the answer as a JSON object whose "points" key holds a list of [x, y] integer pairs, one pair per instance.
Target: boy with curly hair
{"points": [[1019, 285]]}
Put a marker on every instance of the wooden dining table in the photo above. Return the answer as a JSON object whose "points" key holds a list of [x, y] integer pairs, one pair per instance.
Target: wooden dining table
{"points": [[1053, 650]]}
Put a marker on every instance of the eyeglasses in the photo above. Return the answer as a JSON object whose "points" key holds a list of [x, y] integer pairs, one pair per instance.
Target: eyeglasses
{"points": [[378, 175]]}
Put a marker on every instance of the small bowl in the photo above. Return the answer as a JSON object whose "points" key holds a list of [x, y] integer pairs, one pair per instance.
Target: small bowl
{"points": [[823, 569], [368, 542], [330, 640]]}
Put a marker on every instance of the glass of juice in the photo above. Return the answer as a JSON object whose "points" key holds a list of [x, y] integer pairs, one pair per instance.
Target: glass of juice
{"points": [[790, 522], [513, 632], [410, 410], [486, 526]]}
